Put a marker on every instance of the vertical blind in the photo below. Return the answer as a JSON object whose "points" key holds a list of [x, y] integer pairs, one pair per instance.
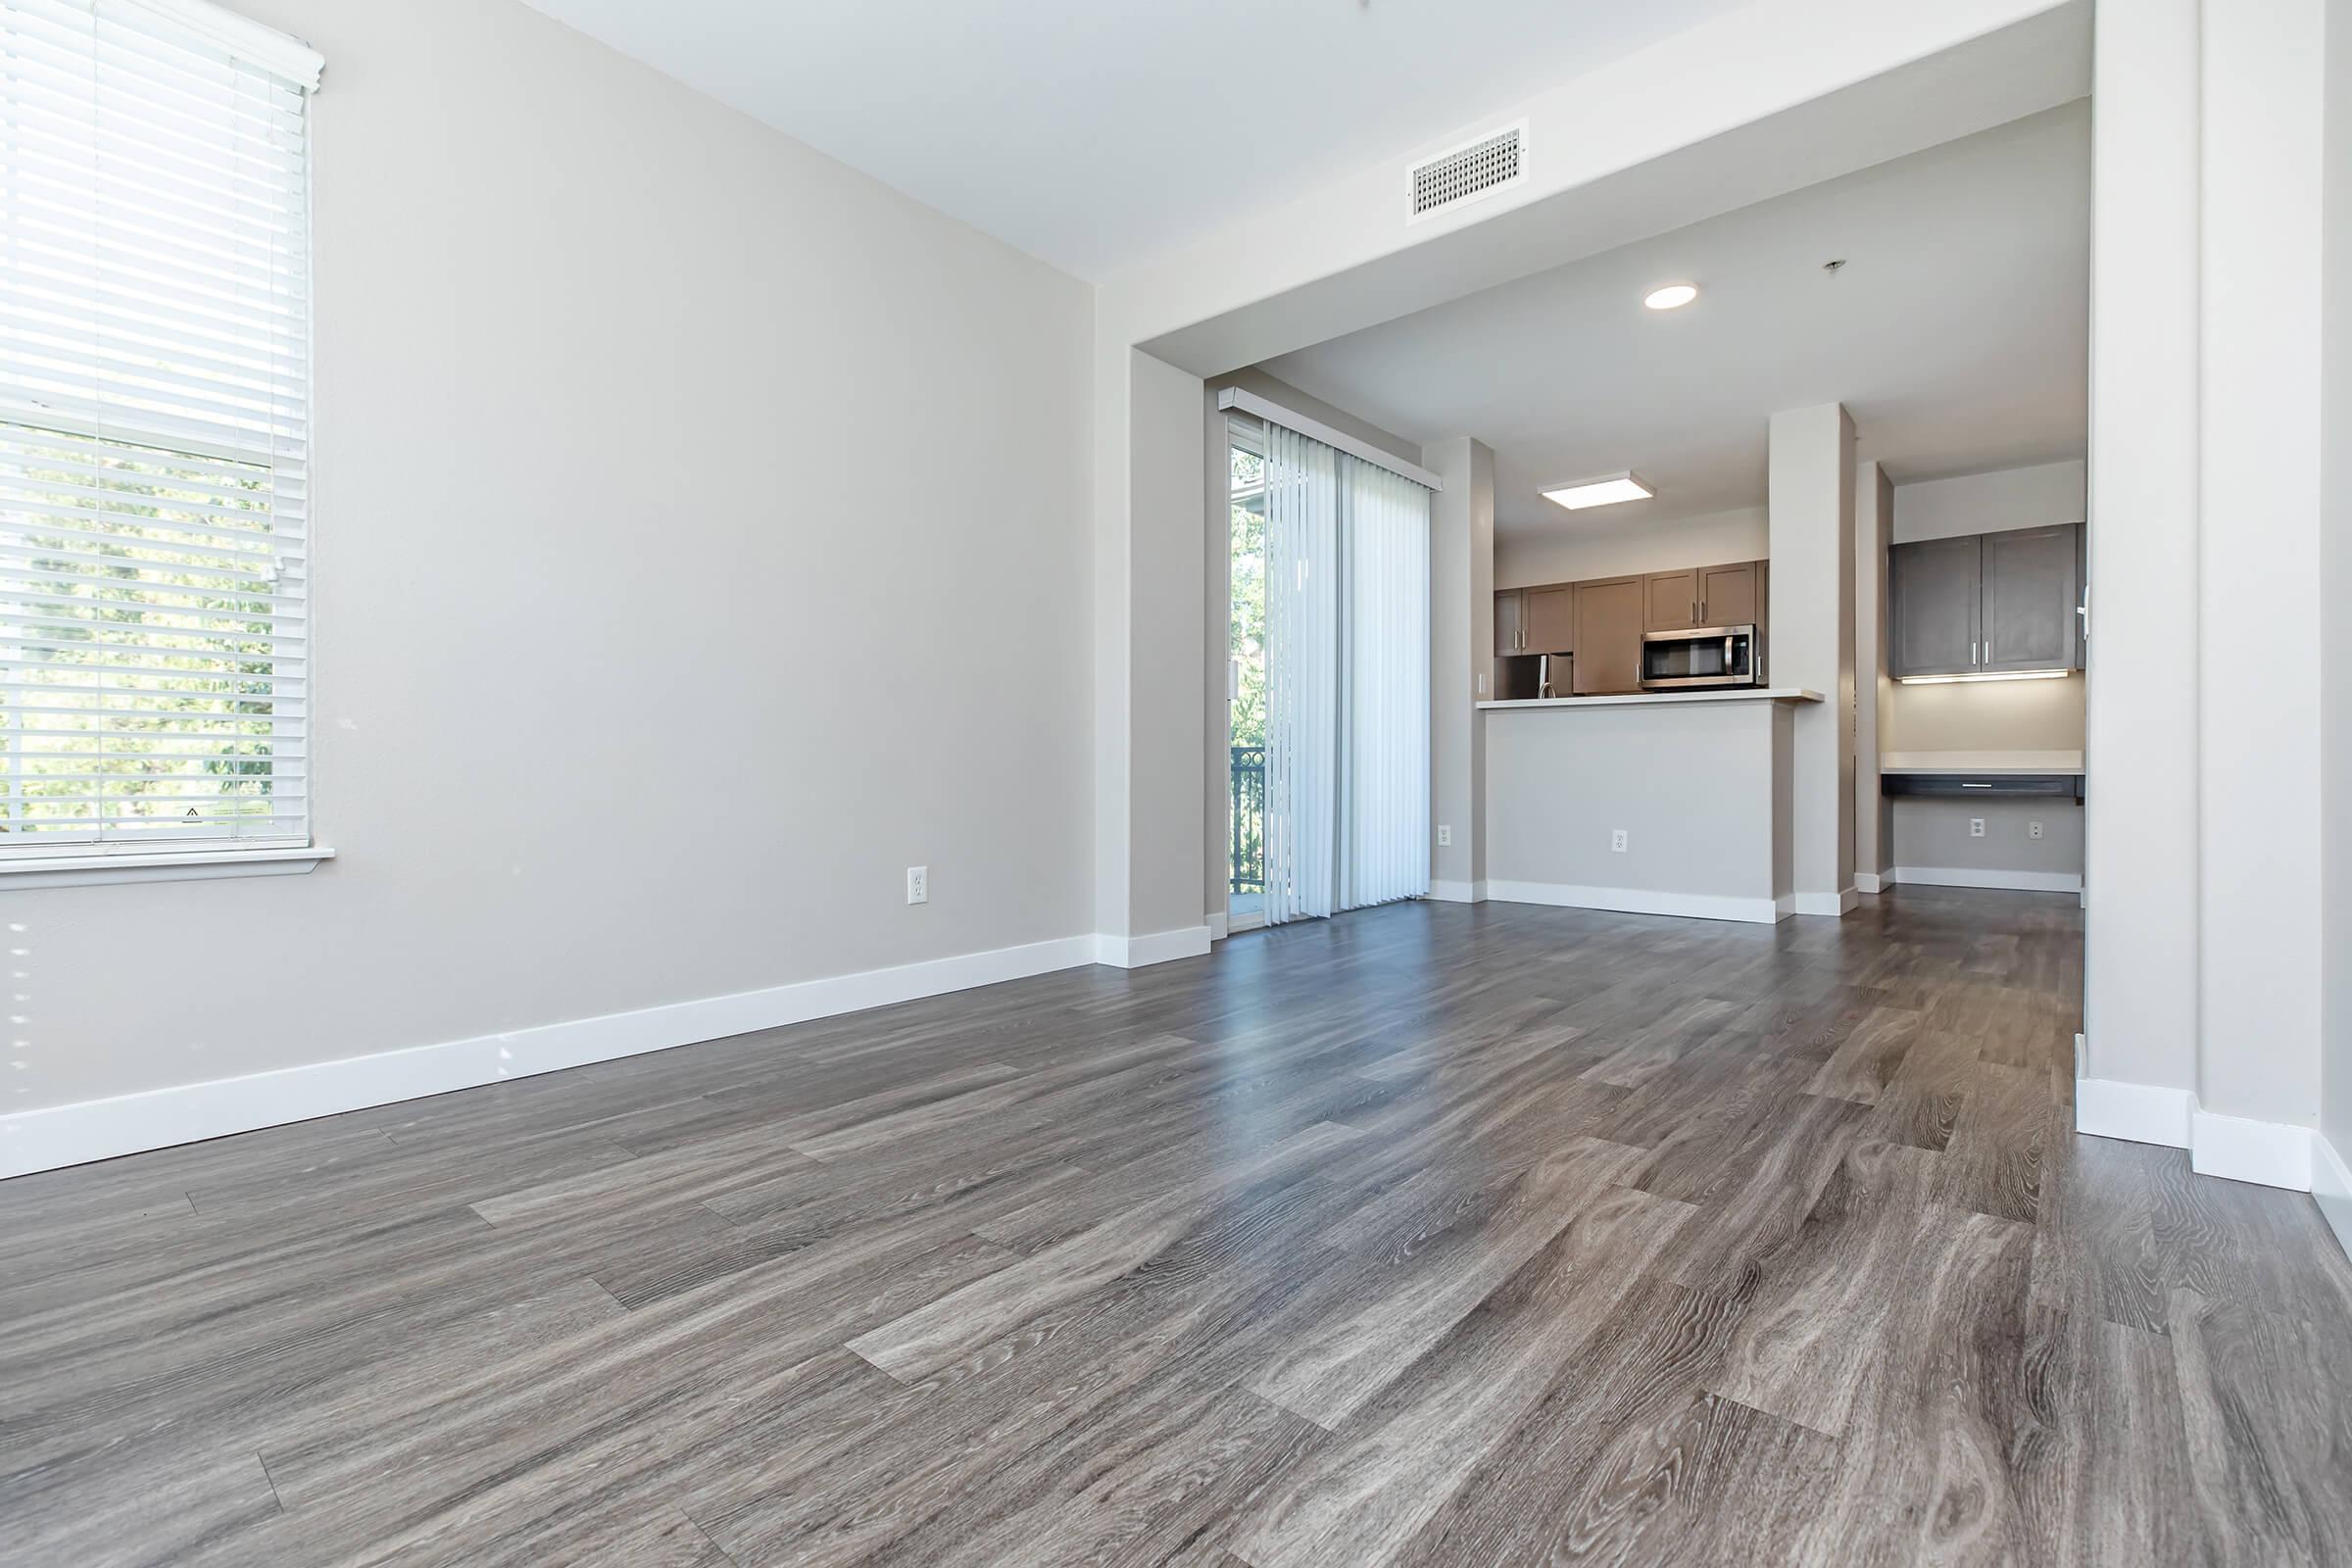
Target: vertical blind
{"points": [[153, 428], [1302, 672], [1386, 806], [1346, 810]]}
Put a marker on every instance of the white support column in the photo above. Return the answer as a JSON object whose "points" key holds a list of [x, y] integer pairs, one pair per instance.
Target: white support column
{"points": [[1462, 624], [2259, 661], [1150, 645], [1874, 531], [2140, 870], [1810, 492]]}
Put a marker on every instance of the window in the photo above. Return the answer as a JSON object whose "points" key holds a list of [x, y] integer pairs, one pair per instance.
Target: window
{"points": [[154, 434]]}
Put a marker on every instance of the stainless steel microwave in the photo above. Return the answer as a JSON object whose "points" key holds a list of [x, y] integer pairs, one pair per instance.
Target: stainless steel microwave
{"points": [[1701, 656]]}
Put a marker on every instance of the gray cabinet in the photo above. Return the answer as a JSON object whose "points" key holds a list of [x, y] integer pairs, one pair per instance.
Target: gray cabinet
{"points": [[2030, 596], [1935, 593], [1985, 602]]}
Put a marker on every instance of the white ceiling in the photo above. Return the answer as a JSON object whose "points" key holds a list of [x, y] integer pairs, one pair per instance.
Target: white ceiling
{"points": [[1092, 133], [1957, 334]]}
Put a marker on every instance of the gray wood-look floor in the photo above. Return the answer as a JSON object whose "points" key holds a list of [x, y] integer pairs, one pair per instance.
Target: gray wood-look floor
{"points": [[1429, 1235]]}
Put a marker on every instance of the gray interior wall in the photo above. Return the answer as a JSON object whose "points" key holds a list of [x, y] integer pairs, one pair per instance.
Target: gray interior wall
{"points": [[1993, 715], [1930, 832], [2335, 573], [1577, 548], [1990, 502], [589, 343]]}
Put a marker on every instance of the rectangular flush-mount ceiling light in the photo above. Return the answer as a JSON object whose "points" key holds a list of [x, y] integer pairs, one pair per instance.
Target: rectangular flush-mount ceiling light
{"points": [[1601, 492]]}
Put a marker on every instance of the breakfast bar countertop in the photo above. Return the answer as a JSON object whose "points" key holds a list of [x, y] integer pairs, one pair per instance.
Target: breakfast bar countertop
{"points": [[1740, 694]]}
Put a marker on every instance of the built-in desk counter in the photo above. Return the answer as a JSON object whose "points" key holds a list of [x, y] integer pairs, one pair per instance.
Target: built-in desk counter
{"points": [[1697, 783], [1981, 773]]}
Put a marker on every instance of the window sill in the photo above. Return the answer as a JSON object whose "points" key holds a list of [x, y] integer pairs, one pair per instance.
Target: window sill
{"points": [[186, 866]]}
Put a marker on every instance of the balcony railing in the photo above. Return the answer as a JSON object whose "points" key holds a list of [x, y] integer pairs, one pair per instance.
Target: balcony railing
{"points": [[1248, 850]]}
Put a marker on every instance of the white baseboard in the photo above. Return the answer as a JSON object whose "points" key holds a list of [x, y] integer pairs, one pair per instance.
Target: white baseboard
{"points": [[1635, 900], [1459, 891], [1832, 904], [2268, 1153], [99, 1129], [2138, 1114], [1867, 882], [1958, 876], [1220, 925], [2332, 1186], [1160, 946]]}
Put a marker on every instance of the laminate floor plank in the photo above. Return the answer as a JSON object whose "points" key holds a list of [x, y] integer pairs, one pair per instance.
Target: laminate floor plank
{"points": [[1432, 1233], [1831, 1293], [937, 1334], [1626, 1458], [1362, 1499], [1326, 1375], [2255, 1415]]}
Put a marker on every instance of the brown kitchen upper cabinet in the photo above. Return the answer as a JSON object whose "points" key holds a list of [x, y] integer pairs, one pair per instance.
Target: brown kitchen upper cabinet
{"points": [[1511, 621], [1609, 614], [1729, 596], [1671, 601], [1551, 619]]}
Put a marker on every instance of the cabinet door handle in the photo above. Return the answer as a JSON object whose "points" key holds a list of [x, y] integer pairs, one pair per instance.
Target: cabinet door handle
{"points": [[1972, 649]]}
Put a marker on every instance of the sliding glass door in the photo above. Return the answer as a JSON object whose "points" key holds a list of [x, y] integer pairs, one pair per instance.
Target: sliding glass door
{"points": [[1328, 647]]}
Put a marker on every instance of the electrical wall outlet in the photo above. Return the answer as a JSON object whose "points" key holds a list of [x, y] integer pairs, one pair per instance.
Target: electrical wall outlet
{"points": [[1975, 827], [1445, 835], [2032, 830], [1617, 841], [918, 884]]}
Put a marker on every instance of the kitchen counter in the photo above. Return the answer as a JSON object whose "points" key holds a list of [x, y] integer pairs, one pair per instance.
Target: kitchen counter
{"points": [[1745, 694], [1654, 803]]}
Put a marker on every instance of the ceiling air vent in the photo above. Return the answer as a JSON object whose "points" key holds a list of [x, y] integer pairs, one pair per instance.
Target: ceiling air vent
{"points": [[1477, 168]]}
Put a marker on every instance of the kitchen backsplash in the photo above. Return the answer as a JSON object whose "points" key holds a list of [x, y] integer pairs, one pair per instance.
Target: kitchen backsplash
{"points": [[1992, 715]]}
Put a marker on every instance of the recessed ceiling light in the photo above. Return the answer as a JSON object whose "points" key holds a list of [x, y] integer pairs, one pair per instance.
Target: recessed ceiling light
{"points": [[1672, 297], [1602, 492]]}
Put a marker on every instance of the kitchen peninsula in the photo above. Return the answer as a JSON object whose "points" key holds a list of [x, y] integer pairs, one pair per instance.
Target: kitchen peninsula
{"points": [[1656, 802]]}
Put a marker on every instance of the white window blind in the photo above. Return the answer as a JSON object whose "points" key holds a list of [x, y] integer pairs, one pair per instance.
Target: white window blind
{"points": [[154, 429]]}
